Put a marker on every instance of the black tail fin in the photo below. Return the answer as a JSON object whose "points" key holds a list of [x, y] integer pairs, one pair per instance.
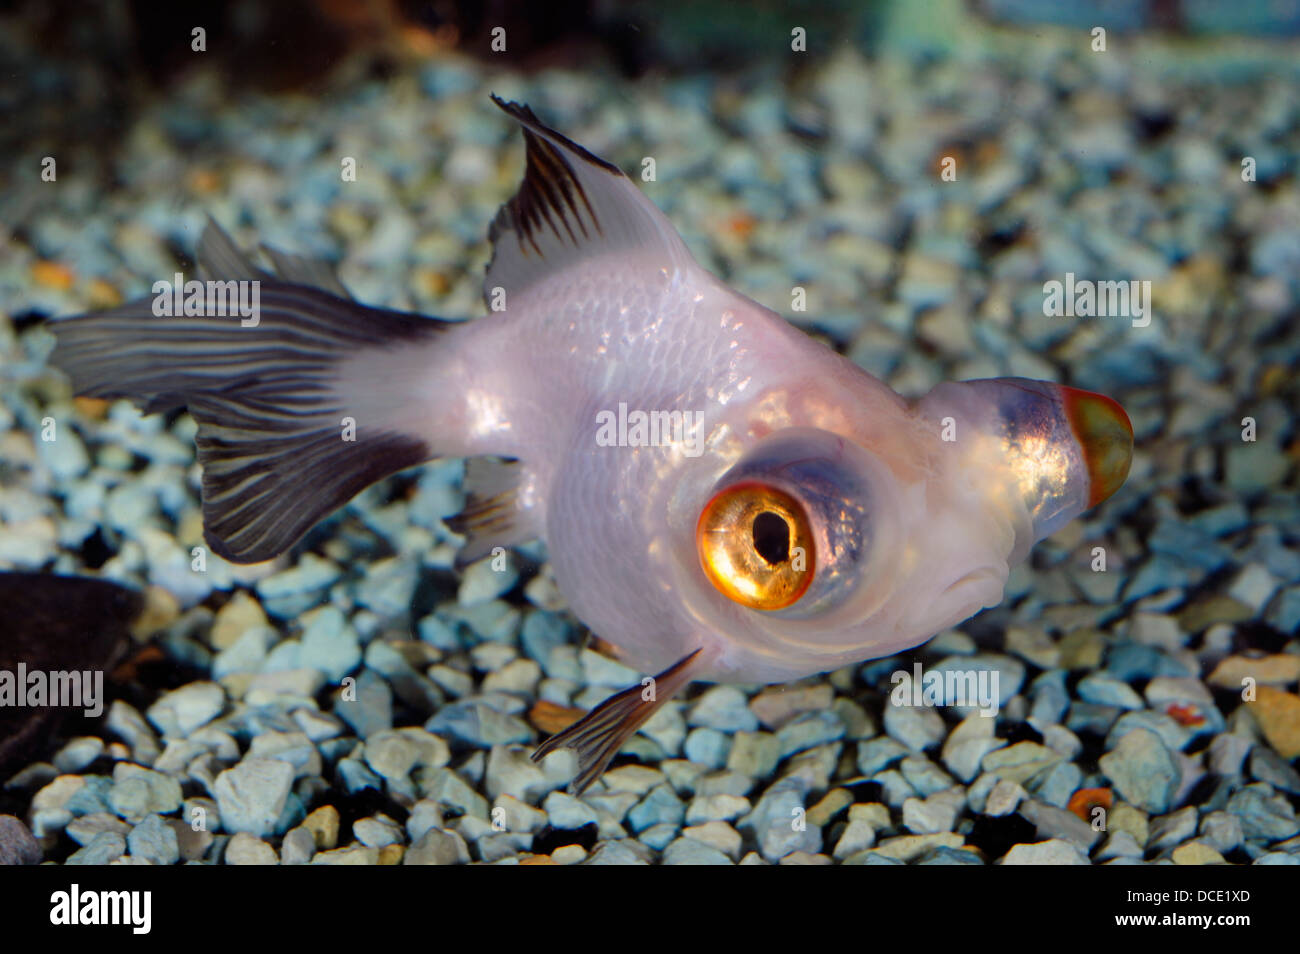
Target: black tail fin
{"points": [[276, 452]]}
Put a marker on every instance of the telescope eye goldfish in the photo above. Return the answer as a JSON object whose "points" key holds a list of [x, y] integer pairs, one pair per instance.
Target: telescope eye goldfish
{"points": [[722, 497]]}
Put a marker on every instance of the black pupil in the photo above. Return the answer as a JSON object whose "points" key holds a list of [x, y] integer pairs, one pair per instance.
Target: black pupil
{"points": [[771, 538]]}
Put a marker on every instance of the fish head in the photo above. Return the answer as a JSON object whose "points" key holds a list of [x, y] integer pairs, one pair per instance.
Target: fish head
{"points": [[824, 545], [818, 547]]}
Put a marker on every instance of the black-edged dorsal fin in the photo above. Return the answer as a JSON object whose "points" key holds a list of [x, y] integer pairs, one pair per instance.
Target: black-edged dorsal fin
{"points": [[571, 207]]}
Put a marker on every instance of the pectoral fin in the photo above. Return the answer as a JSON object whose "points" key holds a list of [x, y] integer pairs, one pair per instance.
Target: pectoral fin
{"points": [[495, 513]]}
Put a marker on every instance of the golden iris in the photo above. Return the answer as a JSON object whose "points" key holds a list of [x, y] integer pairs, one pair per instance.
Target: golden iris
{"points": [[756, 546]]}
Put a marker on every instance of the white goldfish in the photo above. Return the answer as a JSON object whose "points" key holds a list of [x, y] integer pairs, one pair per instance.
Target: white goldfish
{"points": [[722, 497]]}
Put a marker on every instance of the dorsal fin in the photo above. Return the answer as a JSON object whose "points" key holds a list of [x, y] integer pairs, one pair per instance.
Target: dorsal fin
{"points": [[219, 258], [301, 270], [571, 206]]}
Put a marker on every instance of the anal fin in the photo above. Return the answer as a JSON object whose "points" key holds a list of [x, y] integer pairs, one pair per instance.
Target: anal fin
{"points": [[598, 735]]}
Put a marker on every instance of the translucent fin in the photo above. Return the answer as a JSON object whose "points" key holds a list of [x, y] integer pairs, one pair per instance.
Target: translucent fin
{"points": [[306, 271], [494, 515], [571, 206], [276, 450], [220, 258], [598, 735]]}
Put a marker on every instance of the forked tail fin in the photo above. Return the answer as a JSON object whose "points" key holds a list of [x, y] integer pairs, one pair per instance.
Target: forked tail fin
{"points": [[274, 439]]}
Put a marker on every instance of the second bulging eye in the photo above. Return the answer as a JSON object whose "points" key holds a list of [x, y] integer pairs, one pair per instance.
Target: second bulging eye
{"points": [[755, 545]]}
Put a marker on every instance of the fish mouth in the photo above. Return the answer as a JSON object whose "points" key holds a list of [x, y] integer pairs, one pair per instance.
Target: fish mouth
{"points": [[1105, 436]]}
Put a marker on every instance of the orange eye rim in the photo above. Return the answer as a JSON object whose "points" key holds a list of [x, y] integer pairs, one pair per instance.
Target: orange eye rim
{"points": [[730, 556]]}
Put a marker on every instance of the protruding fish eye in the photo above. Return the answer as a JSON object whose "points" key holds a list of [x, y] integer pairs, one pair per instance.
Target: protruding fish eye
{"points": [[791, 528], [756, 545]]}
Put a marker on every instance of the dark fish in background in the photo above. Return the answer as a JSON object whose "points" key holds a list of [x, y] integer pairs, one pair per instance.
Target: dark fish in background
{"points": [[56, 624]]}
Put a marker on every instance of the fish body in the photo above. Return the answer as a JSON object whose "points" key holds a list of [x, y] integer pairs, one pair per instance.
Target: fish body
{"points": [[533, 383], [722, 497]]}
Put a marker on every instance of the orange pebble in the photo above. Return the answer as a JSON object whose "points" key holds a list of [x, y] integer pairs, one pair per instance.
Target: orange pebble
{"points": [[52, 275], [102, 294], [91, 407], [940, 162], [1184, 714], [204, 181], [432, 282], [741, 225], [551, 718], [1085, 800]]}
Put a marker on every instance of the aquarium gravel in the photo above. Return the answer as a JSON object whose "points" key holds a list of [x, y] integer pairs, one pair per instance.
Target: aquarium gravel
{"points": [[361, 703]]}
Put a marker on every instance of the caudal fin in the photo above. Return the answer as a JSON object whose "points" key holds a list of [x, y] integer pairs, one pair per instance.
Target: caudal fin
{"points": [[276, 450]]}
